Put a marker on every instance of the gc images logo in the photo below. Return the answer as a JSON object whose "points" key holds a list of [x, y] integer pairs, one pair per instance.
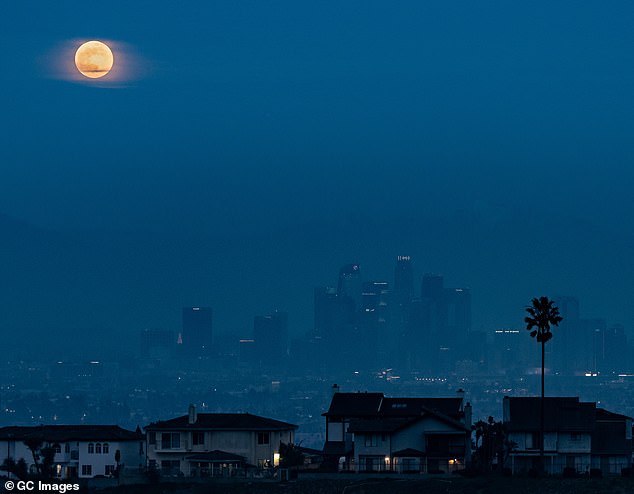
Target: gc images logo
{"points": [[30, 485]]}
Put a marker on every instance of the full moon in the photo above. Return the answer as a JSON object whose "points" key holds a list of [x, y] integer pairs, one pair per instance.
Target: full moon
{"points": [[94, 59]]}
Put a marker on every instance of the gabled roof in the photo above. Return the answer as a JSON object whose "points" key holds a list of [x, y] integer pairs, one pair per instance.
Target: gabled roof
{"points": [[336, 448], [354, 404], [560, 414], [414, 406], [602, 414], [379, 424], [222, 421], [392, 424], [358, 405], [63, 433]]}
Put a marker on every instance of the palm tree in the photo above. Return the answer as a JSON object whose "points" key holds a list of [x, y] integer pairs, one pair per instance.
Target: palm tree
{"points": [[542, 313]]}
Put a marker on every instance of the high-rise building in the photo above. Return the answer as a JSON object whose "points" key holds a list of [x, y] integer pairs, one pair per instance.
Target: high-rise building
{"points": [[270, 333], [373, 321], [349, 284], [197, 330], [403, 281]]}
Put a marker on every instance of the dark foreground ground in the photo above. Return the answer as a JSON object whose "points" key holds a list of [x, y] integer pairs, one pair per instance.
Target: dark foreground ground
{"points": [[380, 486]]}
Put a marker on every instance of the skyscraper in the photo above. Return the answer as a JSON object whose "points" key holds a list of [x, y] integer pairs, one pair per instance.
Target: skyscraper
{"points": [[270, 333], [349, 284], [403, 281], [373, 321], [197, 330]]}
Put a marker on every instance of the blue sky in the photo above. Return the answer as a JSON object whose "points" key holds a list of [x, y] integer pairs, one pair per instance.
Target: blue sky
{"points": [[253, 118]]}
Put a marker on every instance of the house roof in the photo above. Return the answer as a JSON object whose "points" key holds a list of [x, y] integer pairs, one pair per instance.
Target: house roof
{"points": [[379, 424], [62, 433], [450, 407], [354, 404], [357, 405], [389, 424], [560, 414], [222, 421], [602, 414], [335, 448], [217, 456]]}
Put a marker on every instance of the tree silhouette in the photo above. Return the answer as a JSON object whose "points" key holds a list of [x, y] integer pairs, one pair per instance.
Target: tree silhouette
{"points": [[491, 444], [542, 313]]}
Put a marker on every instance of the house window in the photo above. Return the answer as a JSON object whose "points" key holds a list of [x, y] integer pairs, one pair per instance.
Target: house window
{"points": [[575, 437], [109, 470], [170, 440], [98, 448], [198, 438], [371, 440], [91, 448], [86, 470], [171, 467], [264, 438], [152, 438], [57, 448], [532, 440], [106, 448], [67, 448]]}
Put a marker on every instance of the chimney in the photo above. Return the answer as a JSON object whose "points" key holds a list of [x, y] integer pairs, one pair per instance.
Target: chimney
{"points": [[335, 389], [192, 415], [467, 415], [460, 394]]}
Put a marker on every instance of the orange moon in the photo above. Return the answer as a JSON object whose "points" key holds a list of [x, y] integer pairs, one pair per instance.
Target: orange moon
{"points": [[94, 59]]}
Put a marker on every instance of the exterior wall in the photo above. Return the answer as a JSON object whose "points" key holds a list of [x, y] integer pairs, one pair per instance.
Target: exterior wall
{"points": [[335, 431], [243, 443], [524, 439], [373, 451], [414, 435], [15, 450], [610, 464], [371, 445], [78, 456], [566, 443]]}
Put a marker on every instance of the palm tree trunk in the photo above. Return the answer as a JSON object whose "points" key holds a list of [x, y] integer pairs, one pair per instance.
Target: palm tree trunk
{"points": [[541, 423]]}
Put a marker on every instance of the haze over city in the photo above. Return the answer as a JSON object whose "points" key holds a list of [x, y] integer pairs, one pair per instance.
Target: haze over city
{"points": [[251, 150]]}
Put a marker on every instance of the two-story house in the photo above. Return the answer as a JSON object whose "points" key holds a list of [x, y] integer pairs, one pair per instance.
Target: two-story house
{"points": [[371, 432], [208, 444], [577, 435], [81, 451]]}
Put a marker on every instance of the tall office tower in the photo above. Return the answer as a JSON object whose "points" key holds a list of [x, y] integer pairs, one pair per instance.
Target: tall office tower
{"points": [[566, 349], [458, 311], [373, 323], [197, 330], [270, 333], [349, 284], [326, 310], [403, 281]]}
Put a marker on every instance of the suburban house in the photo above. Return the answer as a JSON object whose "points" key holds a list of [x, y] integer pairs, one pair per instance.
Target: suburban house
{"points": [[211, 444], [81, 451], [368, 432], [577, 435]]}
